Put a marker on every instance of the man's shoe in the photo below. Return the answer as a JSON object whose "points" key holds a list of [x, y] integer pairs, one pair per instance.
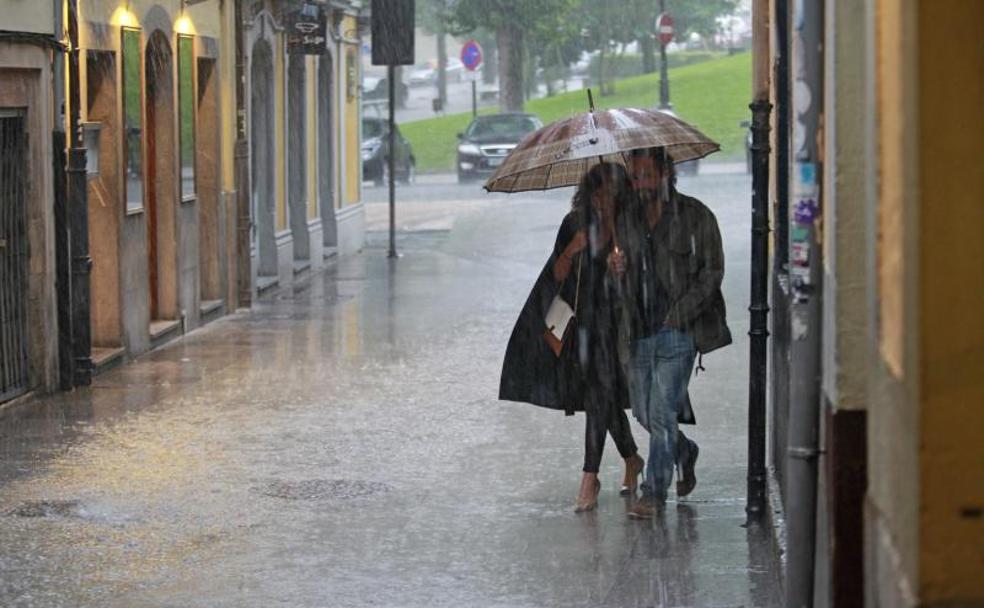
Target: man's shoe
{"points": [[688, 476], [646, 507]]}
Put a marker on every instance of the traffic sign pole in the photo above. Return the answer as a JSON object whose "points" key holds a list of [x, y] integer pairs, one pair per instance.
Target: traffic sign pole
{"points": [[664, 29], [471, 58]]}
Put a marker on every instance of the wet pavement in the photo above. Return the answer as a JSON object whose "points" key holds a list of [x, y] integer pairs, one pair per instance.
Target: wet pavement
{"points": [[341, 445]]}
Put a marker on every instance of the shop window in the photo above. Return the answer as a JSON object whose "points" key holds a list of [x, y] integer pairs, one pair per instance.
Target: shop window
{"points": [[133, 119], [186, 113]]}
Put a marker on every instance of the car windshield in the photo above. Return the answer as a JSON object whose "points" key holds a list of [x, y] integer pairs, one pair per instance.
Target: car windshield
{"points": [[514, 126], [371, 128]]}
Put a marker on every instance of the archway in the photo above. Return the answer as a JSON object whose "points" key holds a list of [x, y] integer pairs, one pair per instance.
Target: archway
{"points": [[262, 153], [161, 178]]}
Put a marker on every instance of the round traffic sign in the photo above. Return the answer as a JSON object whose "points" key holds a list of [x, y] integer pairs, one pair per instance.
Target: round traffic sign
{"points": [[664, 27], [471, 55]]}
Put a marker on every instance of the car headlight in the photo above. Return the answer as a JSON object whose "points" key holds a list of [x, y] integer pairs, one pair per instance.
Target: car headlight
{"points": [[368, 152], [469, 149]]}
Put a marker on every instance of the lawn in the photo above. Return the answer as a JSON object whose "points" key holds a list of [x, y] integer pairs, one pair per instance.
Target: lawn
{"points": [[712, 95]]}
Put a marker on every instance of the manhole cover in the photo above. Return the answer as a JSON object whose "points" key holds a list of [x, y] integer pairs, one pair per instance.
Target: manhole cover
{"points": [[323, 489], [46, 508]]}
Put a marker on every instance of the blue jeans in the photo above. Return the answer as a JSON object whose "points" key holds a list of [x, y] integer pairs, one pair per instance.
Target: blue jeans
{"points": [[659, 372]]}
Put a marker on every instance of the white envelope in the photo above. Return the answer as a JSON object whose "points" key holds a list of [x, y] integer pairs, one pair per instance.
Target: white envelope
{"points": [[558, 316]]}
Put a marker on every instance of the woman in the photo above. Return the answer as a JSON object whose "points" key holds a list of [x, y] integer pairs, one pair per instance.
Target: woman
{"points": [[587, 375]]}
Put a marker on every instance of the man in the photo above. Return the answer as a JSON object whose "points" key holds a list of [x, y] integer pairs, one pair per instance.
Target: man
{"points": [[671, 270]]}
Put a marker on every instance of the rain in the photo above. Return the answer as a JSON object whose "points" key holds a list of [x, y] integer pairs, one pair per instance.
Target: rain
{"points": [[427, 303]]}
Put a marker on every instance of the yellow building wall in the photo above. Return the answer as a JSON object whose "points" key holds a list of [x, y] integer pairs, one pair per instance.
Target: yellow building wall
{"points": [[227, 63], [200, 19], [951, 292], [279, 113], [28, 16], [312, 136], [350, 148]]}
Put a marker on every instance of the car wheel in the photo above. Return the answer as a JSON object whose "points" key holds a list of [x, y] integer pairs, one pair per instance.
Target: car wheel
{"points": [[410, 175], [382, 178]]}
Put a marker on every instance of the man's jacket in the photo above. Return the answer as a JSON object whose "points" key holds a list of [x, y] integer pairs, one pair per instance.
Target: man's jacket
{"points": [[689, 262]]}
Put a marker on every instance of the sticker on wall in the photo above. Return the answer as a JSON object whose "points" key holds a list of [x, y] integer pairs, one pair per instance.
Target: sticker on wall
{"points": [[805, 211], [805, 180]]}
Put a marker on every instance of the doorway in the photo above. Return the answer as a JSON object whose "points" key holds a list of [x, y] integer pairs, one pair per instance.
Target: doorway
{"points": [[13, 254], [161, 177]]}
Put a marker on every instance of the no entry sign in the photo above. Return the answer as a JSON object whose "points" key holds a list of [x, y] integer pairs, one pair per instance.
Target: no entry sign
{"points": [[471, 55], [664, 27]]}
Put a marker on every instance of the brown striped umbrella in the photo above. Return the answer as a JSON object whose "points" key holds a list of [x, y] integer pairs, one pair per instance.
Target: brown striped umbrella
{"points": [[560, 153]]}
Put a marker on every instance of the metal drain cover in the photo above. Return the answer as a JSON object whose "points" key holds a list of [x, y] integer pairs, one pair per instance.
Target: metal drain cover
{"points": [[323, 489], [46, 508]]}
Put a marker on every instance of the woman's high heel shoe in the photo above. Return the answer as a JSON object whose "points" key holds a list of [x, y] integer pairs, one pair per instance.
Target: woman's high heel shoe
{"points": [[633, 470], [582, 504]]}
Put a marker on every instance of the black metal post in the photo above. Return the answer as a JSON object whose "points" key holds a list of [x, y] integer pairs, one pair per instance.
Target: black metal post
{"points": [[391, 158], [78, 213], [759, 308], [664, 72], [244, 270], [474, 96]]}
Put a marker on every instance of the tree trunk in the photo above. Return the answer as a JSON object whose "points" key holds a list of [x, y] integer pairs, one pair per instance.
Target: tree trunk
{"points": [[648, 47], [442, 64], [509, 39], [490, 61]]}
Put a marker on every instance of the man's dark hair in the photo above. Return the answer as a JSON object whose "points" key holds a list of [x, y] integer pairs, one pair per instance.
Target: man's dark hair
{"points": [[661, 159]]}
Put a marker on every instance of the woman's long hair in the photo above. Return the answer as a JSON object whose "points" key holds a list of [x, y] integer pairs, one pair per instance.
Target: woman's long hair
{"points": [[593, 180]]}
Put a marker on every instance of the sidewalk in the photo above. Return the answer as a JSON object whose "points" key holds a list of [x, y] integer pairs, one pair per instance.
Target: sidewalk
{"points": [[342, 445]]}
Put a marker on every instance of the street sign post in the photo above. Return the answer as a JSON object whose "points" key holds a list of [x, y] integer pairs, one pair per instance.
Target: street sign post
{"points": [[471, 58], [664, 29]]}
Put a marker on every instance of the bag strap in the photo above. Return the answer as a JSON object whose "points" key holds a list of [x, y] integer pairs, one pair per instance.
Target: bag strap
{"points": [[577, 287]]}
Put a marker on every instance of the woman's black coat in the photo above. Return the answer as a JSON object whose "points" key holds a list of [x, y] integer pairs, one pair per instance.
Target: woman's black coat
{"points": [[531, 373]]}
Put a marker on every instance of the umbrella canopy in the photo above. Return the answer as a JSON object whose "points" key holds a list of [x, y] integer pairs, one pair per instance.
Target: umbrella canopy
{"points": [[560, 153]]}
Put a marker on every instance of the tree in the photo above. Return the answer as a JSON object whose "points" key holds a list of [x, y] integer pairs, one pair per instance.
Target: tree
{"points": [[515, 23], [689, 17], [434, 16]]}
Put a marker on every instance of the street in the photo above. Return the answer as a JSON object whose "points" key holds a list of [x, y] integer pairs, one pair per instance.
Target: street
{"points": [[340, 444]]}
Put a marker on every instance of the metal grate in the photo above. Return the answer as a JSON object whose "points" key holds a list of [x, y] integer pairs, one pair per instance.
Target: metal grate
{"points": [[13, 255]]}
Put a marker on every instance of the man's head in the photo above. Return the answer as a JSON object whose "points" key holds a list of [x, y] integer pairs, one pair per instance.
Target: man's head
{"points": [[652, 173]]}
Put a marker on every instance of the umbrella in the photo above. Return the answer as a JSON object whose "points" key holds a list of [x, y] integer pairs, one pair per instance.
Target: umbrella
{"points": [[560, 153]]}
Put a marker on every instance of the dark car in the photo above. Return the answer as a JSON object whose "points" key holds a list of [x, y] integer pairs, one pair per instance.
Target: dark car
{"points": [[488, 139], [375, 146]]}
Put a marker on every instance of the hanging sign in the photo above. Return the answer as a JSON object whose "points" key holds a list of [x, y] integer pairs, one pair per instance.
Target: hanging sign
{"points": [[307, 31]]}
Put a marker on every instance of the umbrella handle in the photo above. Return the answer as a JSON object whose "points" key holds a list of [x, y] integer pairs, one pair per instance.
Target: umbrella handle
{"points": [[590, 101]]}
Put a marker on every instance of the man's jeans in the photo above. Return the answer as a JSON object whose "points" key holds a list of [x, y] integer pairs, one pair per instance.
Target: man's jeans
{"points": [[659, 372]]}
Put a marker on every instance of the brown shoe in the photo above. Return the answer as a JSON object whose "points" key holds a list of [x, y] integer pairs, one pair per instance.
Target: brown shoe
{"points": [[634, 467], [646, 507]]}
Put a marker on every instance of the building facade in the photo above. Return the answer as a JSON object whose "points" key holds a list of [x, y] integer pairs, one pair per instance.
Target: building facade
{"points": [[898, 185], [28, 311], [175, 236]]}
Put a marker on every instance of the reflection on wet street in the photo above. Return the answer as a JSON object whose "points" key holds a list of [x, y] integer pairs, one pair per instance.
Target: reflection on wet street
{"points": [[341, 445]]}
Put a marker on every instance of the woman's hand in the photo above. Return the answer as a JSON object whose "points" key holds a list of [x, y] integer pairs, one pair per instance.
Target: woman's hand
{"points": [[616, 261]]}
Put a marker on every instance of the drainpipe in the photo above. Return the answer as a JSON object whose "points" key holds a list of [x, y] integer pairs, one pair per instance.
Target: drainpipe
{"points": [[780, 262], [805, 306], [759, 308], [244, 270], [78, 212]]}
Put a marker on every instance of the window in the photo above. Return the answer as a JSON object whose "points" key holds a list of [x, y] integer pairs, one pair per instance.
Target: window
{"points": [[133, 120], [186, 113]]}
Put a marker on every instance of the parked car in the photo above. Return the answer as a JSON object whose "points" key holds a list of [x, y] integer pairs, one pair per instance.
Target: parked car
{"points": [[422, 76], [488, 139], [376, 88], [747, 125], [375, 146]]}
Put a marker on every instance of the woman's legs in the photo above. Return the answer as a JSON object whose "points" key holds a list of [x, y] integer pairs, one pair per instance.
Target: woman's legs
{"points": [[595, 429]]}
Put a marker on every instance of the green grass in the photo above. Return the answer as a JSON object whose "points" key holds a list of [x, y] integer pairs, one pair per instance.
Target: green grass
{"points": [[712, 95]]}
